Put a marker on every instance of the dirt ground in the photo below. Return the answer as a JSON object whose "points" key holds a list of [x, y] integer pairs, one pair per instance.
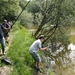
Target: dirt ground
{"points": [[5, 70]]}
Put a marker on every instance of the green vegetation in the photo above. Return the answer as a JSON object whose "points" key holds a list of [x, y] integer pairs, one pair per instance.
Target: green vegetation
{"points": [[72, 33], [50, 17], [72, 38], [18, 51], [9, 9]]}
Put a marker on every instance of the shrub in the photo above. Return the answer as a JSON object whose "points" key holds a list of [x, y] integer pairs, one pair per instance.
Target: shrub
{"points": [[26, 19]]}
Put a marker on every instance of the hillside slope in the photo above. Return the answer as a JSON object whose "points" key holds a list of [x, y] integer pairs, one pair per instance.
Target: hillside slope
{"points": [[18, 52]]}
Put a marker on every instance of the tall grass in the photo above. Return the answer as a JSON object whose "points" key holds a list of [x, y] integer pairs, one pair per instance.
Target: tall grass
{"points": [[18, 51]]}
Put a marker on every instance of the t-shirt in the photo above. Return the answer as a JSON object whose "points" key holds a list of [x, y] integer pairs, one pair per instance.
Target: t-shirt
{"points": [[6, 26], [1, 32], [35, 46]]}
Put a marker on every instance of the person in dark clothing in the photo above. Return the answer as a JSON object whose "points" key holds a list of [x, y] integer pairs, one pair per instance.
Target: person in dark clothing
{"points": [[6, 32], [2, 37]]}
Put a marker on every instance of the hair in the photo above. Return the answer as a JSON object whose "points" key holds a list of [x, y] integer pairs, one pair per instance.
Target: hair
{"points": [[5, 20], [41, 37]]}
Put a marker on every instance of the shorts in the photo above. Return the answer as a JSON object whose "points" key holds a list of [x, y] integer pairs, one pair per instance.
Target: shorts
{"points": [[36, 56]]}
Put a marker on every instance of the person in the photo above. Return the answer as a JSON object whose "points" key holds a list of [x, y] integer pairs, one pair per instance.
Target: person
{"points": [[6, 32], [10, 23], [33, 50], [2, 37]]}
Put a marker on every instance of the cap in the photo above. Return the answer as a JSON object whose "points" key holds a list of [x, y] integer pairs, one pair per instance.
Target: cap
{"points": [[41, 36], [5, 20]]}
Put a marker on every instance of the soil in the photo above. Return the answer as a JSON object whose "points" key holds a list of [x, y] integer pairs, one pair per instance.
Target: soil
{"points": [[5, 70]]}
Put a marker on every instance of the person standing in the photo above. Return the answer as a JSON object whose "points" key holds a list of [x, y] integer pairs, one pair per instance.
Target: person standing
{"points": [[10, 23], [33, 50], [6, 32], [2, 37]]}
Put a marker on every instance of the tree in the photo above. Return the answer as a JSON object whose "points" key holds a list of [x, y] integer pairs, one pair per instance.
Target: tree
{"points": [[34, 8], [57, 14], [26, 19], [22, 3], [9, 9]]}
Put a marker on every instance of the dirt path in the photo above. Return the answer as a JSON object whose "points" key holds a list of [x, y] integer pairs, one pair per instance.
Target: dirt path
{"points": [[5, 70]]}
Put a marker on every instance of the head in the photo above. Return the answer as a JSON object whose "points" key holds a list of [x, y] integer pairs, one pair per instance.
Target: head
{"points": [[5, 21], [41, 37]]}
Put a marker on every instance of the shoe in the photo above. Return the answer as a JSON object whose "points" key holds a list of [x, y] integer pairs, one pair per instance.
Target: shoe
{"points": [[35, 67], [39, 70], [3, 54]]}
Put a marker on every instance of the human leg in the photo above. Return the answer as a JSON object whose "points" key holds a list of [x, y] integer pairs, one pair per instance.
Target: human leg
{"points": [[38, 64], [6, 36], [35, 64], [7, 40], [3, 45], [37, 60]]}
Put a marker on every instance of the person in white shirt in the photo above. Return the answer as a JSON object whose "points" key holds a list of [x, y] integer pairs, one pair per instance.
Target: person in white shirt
{"points": [[33, 50]]}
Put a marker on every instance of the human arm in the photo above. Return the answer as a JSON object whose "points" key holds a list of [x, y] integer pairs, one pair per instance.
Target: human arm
{"points": [[40, 46], [45, 48], [4, 27]]}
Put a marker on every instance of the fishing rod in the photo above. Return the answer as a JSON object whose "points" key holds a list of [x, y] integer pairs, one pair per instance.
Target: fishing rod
{"points": [[21, 12]]}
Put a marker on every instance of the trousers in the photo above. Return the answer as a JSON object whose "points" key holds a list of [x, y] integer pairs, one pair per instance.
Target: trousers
{"points": [[2, 44]]}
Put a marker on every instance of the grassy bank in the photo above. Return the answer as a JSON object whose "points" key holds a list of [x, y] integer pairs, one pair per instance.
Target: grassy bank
{"points": [[18, 51]]}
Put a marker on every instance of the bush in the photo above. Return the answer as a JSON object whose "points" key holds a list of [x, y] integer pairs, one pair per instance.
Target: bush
{"points": [[26, 19]]}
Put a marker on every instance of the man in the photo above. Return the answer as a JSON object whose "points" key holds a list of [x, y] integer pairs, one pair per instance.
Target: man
{"points": [[6, 32], [2, 37], [34, 48], [10, 23]]}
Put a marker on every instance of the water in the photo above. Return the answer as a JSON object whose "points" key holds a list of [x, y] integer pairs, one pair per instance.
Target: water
{"points": [[61, 62]]}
